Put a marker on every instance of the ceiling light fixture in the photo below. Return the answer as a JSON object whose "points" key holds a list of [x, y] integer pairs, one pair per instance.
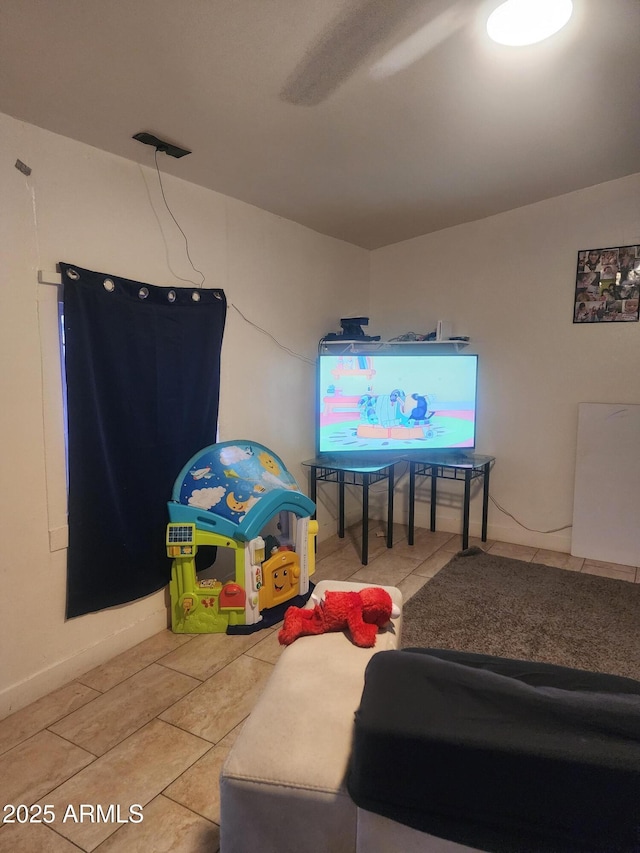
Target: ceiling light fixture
{"points": [[520, 22]]}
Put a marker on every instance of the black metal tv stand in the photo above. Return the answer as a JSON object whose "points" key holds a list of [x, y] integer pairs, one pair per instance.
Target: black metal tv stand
{"points": [[450, 465], [354, 474]]}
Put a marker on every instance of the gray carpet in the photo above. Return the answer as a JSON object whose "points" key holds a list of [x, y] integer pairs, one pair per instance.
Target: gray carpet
{"points": [[498, 606]]}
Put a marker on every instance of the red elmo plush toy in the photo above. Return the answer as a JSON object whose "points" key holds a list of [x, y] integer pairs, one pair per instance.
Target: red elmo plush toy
{"points": [[362, 613]]}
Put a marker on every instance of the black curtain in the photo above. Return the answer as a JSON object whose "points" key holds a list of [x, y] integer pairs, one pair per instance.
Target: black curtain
{"points": [[143, 378]]}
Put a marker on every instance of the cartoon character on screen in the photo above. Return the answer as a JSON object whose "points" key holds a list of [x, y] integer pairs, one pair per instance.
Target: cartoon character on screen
{"points": [[367, 406], [416, 408], [397, 400]]}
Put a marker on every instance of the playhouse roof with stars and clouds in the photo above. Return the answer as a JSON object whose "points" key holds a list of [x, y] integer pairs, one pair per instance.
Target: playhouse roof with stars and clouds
{"points": [[234, 488]]}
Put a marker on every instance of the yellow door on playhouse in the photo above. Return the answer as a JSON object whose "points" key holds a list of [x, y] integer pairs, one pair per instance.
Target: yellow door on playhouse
{"points": [[280, 579]]}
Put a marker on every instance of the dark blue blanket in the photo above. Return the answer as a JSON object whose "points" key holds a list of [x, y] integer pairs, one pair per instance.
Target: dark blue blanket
{"points": [[499, 754]]}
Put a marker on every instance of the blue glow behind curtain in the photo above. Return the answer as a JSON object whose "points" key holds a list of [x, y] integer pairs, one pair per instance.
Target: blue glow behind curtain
{"points": [[143, 381]]}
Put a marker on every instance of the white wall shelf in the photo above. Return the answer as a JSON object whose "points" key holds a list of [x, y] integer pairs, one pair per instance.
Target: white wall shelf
{"points": [[354, 345]]}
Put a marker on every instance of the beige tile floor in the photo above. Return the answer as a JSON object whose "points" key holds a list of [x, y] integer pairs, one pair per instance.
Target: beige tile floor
{"points": [[152, 726]]}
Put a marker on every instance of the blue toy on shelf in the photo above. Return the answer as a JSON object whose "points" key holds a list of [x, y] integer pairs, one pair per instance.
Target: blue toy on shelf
{"points": [[224, 496]]}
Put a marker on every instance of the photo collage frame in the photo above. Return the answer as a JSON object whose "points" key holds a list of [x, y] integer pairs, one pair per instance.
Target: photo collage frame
{"points": [[607, 285]]}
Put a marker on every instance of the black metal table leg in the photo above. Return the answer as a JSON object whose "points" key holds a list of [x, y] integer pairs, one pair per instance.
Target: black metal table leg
{"points": [[412, 499], [365, 519], [390, 509], [434, 489], [485, 499], [314, 487], [341, 504], [465, 509]]}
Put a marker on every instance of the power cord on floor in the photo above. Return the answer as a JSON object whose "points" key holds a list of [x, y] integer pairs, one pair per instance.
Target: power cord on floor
{"points": [[517, 521]]}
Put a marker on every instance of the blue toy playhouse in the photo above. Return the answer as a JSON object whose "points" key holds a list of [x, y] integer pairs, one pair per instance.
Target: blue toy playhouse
{"points": [[225, 496]]}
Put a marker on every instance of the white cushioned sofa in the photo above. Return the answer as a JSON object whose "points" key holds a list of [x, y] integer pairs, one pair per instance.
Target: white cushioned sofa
{"points": [[283, 786]]}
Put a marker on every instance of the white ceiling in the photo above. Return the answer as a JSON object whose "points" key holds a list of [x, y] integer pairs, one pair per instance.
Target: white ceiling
{"points": [[468, 130]]}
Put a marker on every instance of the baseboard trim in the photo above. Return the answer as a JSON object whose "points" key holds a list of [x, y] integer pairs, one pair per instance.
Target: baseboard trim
{"points": [[33, 687]]}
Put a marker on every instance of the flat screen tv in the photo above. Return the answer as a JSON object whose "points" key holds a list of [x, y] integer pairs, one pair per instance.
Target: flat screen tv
{"points": [[395, 403]]}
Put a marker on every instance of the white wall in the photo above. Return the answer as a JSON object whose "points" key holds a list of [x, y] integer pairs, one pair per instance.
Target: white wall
{"points": [[508, 283], [105, 213]]}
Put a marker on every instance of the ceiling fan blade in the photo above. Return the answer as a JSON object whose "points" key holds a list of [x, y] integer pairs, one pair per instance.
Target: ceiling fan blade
{"points": [[337, 54], [424, 40]]}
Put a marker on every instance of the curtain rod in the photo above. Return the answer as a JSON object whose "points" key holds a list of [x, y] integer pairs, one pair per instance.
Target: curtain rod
{"points": [[52, 277]]}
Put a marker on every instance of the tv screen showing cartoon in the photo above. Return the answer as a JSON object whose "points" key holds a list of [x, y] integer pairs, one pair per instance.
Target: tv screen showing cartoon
{"points": [[392, 402]]}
